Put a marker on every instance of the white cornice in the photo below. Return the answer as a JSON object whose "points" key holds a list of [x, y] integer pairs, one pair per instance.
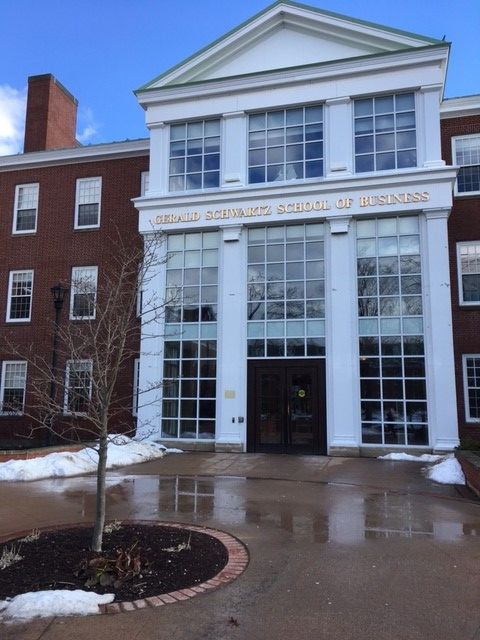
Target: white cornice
{"points": [[460, 107], [91, 153], [295, 75], [370, 182]]}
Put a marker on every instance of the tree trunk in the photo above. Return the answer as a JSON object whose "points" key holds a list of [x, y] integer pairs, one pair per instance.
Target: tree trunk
{"points": [[97, 539]]}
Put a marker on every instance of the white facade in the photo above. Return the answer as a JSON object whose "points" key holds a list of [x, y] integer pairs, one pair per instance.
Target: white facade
{"points": [[291, 57]]}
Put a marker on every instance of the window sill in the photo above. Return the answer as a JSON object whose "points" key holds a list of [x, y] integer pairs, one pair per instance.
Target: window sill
{"points": [[466, 194]]}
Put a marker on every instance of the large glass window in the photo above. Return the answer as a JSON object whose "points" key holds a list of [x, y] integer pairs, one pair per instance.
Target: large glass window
{"points": [[385, 136], [471, 384], [12, 387], [20, 288], [87, 205], [285, 145], [468, 265], [390, 310], [25, 210], [286, 292], [466, 152], [190, 355], [194, 155]]}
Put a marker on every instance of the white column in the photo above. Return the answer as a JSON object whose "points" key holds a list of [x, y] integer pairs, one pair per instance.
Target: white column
{"points": [[151, 347], [430, 148], [442, 402], [234, 149], [338, 137], [343, 418], [159, 156], [231, 345]]}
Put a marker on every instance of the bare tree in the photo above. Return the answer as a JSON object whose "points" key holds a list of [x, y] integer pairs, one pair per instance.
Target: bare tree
{"points": [[81, 398]]}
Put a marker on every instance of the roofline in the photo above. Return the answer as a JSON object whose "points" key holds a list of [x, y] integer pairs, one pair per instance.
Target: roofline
{"points": [[90, 153], [460, 107], [288, 3], [313, 65]]}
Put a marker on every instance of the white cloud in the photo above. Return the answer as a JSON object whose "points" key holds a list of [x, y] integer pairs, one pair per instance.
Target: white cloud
{"points": [[12, 119], [89, 126]]}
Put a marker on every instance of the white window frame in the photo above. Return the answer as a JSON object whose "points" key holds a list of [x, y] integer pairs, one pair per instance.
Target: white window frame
{"points": [[9, 296], [144, 182], [81, 181], [15, 231], [5, 364], [74, 292], [136, 386], [457, 193], [460, 274], [69, 363], [468, 417]]}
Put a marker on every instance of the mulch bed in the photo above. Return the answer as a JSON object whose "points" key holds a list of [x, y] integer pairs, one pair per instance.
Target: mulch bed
{"points": [[53, 560]]}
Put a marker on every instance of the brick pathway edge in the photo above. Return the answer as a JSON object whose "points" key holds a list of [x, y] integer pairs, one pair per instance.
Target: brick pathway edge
{"points": [[238, 559]]}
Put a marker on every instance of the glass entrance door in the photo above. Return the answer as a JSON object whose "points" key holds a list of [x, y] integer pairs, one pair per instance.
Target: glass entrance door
{"points": [[286, 406]]}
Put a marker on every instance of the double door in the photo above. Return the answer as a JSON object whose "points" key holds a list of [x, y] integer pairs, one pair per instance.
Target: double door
{"points": [[286, 406]]}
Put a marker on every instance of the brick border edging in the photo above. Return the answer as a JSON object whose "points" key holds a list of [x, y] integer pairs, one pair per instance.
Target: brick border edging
{"points": [[237, 562]]}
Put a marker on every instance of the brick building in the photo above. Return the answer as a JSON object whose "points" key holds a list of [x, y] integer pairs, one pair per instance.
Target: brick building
{"points": [[61, 208], [302, 170], [460, 127]]}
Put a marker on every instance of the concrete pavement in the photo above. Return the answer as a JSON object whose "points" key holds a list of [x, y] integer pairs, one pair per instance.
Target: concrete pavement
{"points": [[339, 548]]}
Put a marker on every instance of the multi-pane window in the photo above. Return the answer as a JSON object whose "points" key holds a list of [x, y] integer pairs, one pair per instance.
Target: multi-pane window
{"points": [[87, 205], [26, 207], [390, 310], [12, 387], [83, 293], [466, 151], [286, 144], [385, 136], [78, 386], [194, 155], [190, 347], [286, 291], [471, 384], [468, 264], [145, 182], [20, 288]]}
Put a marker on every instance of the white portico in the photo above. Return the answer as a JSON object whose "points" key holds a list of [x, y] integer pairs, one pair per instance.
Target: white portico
{"points": [[296, 170]]}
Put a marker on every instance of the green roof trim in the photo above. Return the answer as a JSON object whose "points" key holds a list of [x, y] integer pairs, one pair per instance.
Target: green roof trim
{"points": [[288, 3], [311, 65]]}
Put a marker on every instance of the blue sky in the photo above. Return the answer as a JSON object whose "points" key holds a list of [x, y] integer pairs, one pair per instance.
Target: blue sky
{"points": [[101, 50]]}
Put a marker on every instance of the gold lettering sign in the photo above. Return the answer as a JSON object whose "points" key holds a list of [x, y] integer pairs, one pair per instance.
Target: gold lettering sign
{"points": [[309, 206]]}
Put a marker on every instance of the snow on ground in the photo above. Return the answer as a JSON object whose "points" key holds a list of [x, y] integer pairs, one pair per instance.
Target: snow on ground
{"points": [[43, 604], [425, 457], [445, 469], [448, 471], [122, 451]]}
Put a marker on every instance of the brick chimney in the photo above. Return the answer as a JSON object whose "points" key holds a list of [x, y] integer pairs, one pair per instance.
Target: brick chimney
{"points": [[51, 115]]}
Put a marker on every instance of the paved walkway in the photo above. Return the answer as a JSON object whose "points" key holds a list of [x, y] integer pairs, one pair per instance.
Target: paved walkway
{"points": [[339, 548]]}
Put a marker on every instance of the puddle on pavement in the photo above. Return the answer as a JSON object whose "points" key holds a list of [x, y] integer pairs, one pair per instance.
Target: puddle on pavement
{"points": [[313, 513]]}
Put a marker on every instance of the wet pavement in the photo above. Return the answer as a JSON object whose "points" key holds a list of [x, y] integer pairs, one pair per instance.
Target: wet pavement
{"points": [[339, 548]]}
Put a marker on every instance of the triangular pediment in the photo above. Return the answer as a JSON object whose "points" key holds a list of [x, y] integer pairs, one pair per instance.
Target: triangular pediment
{"points": [[283, 36]]}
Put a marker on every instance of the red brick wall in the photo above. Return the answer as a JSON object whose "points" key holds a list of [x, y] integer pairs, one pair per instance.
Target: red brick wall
{"points": [[57, 247], [463, 225]]}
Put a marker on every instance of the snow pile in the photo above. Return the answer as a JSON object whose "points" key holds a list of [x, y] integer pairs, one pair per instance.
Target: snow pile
{"points": [[445, 469], [43, 604], [122, 451], [448, 471], [425, 457]]}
